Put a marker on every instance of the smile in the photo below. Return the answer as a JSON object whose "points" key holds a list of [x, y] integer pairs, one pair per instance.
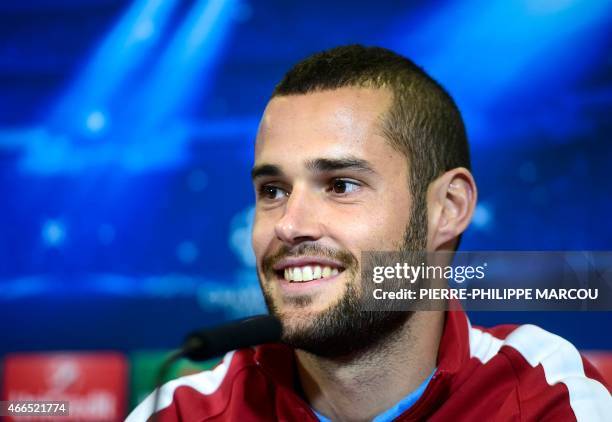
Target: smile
{"points": [[308, 273], [304, 269]]}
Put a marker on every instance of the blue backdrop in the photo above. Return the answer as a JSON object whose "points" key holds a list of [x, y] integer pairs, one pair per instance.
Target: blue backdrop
{"points": [[126, 140]]}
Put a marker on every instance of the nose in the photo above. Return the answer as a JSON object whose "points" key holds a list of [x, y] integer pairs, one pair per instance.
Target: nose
{"points": [[300, 220]]}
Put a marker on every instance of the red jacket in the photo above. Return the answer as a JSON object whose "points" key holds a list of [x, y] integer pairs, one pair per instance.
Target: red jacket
{"points": [[504, 373]]}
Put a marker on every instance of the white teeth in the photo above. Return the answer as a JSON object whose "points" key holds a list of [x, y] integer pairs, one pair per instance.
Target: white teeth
{"points": [[308, 273], [297, 274]]}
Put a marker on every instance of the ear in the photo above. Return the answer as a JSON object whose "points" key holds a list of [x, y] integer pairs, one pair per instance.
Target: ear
{"points": [[451, 200]]}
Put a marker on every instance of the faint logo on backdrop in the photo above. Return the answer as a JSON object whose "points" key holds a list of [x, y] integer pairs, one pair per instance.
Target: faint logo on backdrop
{"points": [[243, 297], [61, 375], [237, 301], [240, 236]]}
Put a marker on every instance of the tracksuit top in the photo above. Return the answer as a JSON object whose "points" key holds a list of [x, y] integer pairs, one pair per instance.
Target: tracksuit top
{"points": [[505, 373]]}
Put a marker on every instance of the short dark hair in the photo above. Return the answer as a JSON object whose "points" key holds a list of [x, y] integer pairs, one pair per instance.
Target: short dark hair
{"points": [[423, 121]]}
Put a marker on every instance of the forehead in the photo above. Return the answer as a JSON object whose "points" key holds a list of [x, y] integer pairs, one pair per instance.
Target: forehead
{"points": [[324, 124]]}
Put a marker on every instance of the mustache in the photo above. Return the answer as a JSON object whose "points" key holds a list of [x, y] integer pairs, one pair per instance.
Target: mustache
{"points": [[307, 249]]}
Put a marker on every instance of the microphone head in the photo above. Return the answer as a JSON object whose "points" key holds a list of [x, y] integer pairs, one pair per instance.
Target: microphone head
{"points": [[216, 341]]}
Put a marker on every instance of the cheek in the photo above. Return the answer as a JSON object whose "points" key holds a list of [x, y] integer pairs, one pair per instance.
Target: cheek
{"points": [[375, 229], [393, 218], [358, 232]]}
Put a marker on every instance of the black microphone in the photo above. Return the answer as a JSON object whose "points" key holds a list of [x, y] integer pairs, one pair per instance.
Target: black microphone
{"points": [[216, 341], [210, 342]]}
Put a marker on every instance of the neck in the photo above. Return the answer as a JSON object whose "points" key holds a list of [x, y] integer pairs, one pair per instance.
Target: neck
{"points": [[363, 385]]}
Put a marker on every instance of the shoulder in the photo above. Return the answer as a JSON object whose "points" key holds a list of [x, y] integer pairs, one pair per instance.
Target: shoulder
{"points": [[549, 370], [206, 392]]}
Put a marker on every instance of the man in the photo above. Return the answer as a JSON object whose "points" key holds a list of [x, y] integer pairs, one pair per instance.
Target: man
{"points": [[359, 150]]}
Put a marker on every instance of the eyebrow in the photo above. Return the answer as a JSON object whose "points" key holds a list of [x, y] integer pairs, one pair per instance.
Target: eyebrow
{"points": [[265, 170], [331, 164], [319, 165]]}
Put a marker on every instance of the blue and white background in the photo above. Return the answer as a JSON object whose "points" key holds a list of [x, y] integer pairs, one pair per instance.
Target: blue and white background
{"points": [[126, 141]]}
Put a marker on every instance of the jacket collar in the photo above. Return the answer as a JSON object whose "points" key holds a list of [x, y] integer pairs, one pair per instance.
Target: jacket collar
{"points": [[454, 350]]}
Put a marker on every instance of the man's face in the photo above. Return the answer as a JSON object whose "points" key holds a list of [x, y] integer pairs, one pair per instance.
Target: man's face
{"points": [[328, 187]]}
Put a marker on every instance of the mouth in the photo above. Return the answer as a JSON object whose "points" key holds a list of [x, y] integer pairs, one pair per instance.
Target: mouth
{"points": [[304, 270]]}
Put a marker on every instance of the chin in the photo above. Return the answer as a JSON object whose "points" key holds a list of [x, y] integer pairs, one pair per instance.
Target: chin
{"points": [[299, 318], [293, 316]]}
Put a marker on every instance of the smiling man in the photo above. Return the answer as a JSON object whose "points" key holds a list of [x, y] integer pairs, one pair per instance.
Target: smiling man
{"points": [[360, 150]]}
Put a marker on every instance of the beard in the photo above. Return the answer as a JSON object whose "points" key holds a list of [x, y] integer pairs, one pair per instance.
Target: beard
{"points": [[344, 329]]}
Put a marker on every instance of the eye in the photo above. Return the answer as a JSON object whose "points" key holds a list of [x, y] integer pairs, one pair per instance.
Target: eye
{"points": [[271, 192], [343, 186]]}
